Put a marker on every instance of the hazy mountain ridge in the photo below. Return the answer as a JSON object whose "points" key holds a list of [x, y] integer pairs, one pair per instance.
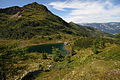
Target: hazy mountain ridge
{"points": [[111, 27], [89, 31]]}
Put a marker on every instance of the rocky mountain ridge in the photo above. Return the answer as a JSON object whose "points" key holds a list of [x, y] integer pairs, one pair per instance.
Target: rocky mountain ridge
{"points": [[111, 27]]}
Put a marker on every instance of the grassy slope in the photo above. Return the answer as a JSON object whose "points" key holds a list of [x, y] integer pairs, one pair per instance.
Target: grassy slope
{"points": [[35, 20], [88, 66]]}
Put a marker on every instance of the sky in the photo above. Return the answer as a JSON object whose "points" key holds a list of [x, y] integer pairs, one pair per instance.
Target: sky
{"points": [[79, 11]]}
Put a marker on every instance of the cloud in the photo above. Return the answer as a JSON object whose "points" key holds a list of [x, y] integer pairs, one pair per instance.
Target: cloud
{"points": [[88, 11], [55, 5], [74, 18]]}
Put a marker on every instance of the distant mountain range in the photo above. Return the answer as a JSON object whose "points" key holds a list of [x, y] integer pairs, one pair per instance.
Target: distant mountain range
{"points": [[111, 27]]}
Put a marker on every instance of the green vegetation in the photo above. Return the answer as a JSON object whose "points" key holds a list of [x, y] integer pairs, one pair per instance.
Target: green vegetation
{"points": [[117, 36], [35, 20], [44, 56], [98, 45], [16, 62], [57, 55], [86, 65], [91, 54]]}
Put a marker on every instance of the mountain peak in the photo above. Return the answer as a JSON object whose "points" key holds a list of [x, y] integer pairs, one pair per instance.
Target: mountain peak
{"points": [[35, 6], [34, 3]]}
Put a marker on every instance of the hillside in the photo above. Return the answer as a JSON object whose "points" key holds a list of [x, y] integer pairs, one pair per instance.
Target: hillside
{"points": [[88, 31], [111, 27], [35, 44], [87, 64], [34, 20], [29, 21]]}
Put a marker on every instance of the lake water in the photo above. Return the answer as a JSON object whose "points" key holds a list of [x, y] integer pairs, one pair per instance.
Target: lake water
{"points": [[47, 48], [32, 75]]}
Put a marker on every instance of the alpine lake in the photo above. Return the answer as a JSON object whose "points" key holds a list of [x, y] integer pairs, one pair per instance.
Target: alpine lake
{"points": [[47, 48]]}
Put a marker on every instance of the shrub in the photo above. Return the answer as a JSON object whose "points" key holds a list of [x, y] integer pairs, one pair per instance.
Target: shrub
{"points": [[72, 52], [68, 58], [58, 57], [44, 56], [98, 44]]}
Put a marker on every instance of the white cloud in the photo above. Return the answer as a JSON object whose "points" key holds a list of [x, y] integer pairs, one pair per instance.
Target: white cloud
{"points": [[55, 5], [86, 11], [74, 18]]}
